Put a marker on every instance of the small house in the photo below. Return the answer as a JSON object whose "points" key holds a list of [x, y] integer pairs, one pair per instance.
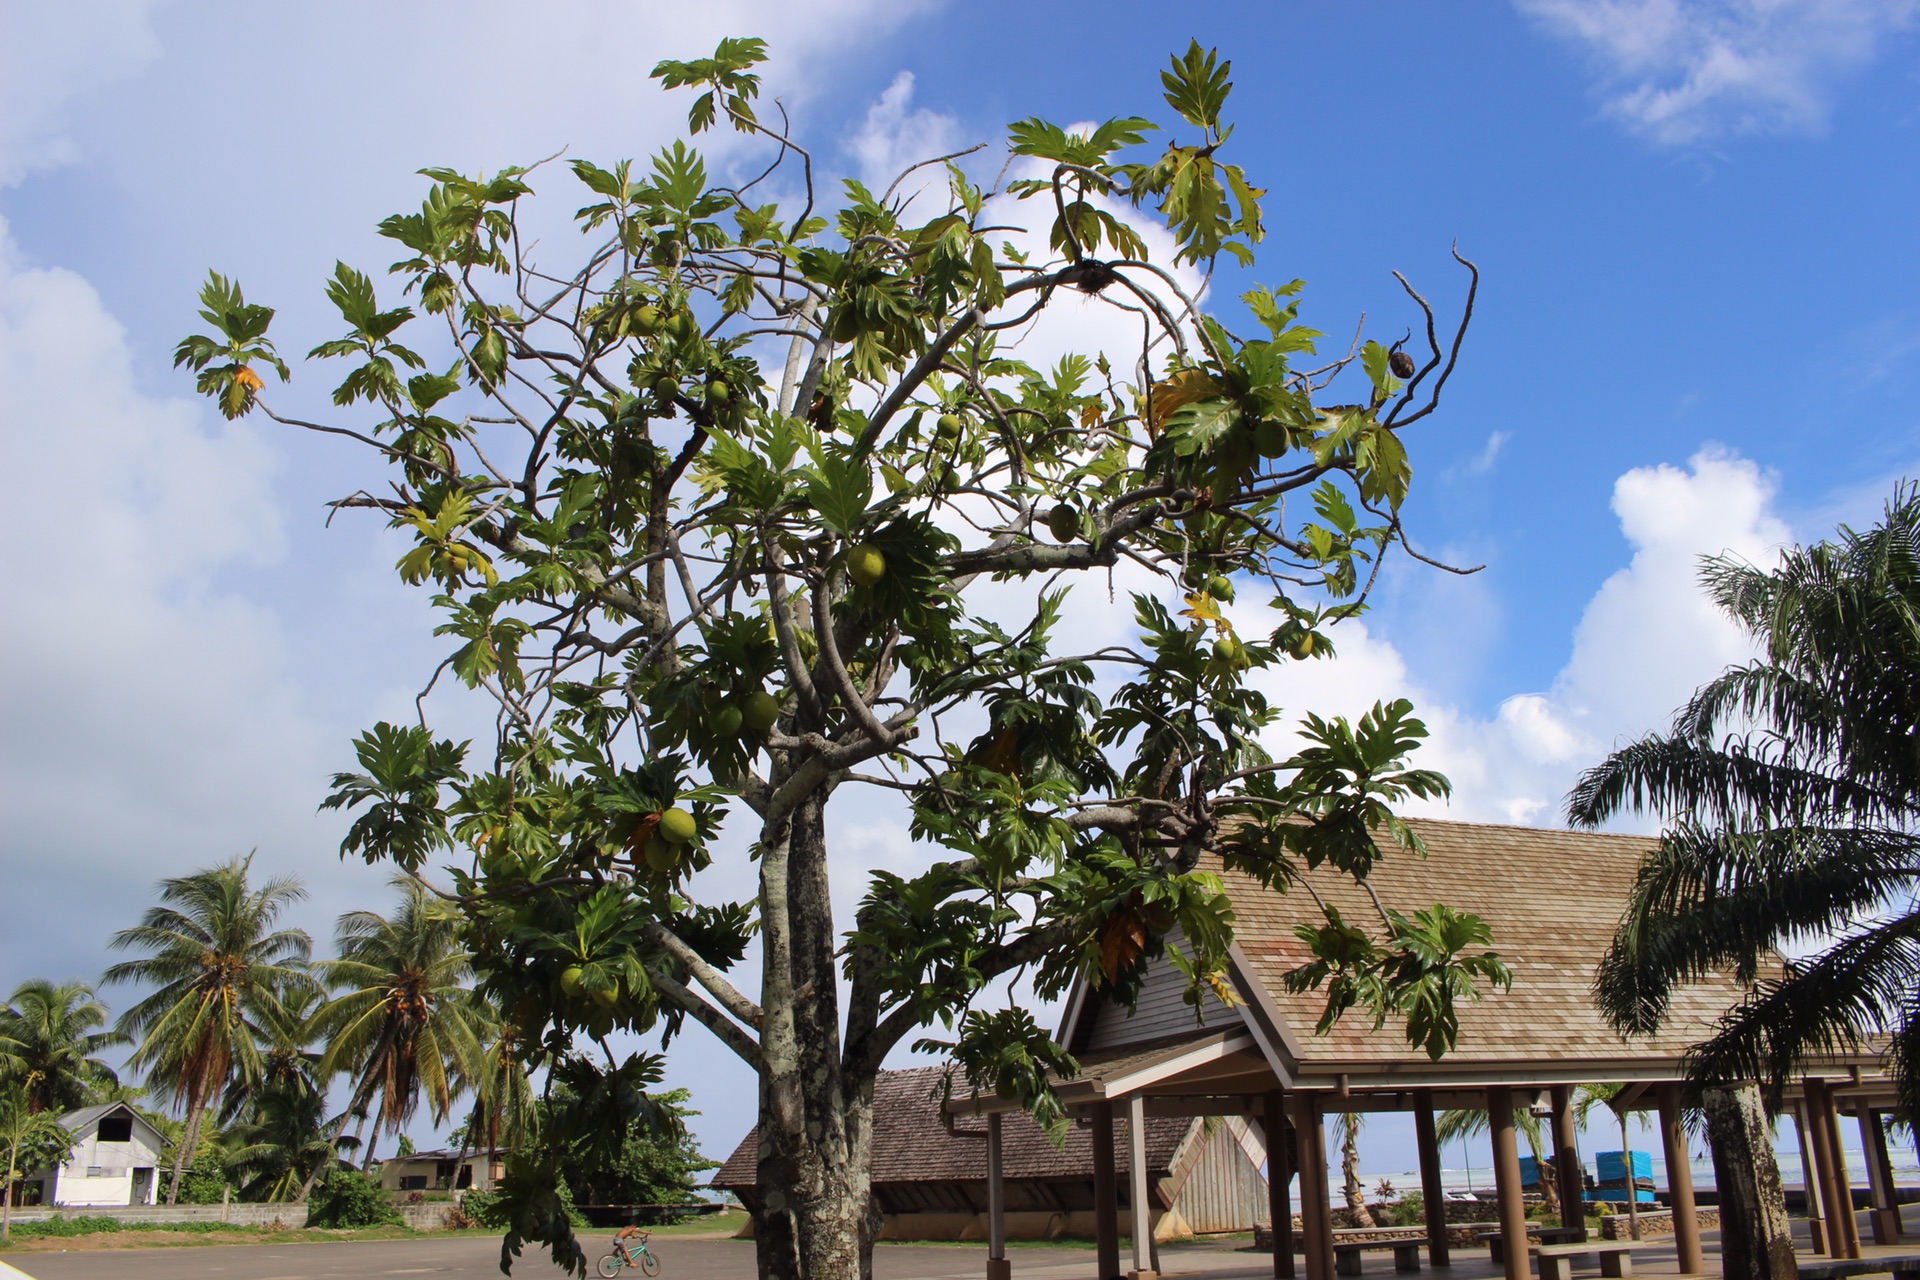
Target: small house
{"points": [[115, 1159], [443, 1170], [930, 1170]]}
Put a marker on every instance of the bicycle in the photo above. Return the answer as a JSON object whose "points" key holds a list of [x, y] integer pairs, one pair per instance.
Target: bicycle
{"points": [[638, 1255]]}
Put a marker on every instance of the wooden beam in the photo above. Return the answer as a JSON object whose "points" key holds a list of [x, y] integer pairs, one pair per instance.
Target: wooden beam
{"points": [[1106, 1195], [1838, 1207], [1506, 1178], [1433, 1191], [1279, 1180], [1139, 1190], [1566, 1162], [1849, 1220], [1810, 1178], [1686, 1219], [998, 1267], [1316, 1220], [1886, 1203]]}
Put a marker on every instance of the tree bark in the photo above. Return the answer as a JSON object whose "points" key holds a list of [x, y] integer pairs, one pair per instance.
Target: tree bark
{"points": [[815, 1218], [1756, 1240], [1633, 1183], [196, 1113], [1356, 1191]]}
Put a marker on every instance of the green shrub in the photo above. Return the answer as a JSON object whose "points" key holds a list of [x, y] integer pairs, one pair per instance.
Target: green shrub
{"points": [[489, 1208], [205, 1180], [349, 1198], [485, 1209]]}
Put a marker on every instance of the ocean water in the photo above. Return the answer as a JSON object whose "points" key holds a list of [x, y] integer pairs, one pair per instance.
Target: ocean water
{"points": [[1479, 1179]]}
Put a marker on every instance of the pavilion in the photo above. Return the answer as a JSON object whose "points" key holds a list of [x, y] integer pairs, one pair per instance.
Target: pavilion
{"points": [[1553, 900]]}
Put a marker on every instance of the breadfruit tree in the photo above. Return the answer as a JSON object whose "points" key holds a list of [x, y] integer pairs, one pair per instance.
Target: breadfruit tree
{"points": [[713, 505]]}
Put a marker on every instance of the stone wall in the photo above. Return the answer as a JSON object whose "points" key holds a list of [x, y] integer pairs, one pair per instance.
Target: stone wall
{"points": [[1653, 1223], [243, 1215]]}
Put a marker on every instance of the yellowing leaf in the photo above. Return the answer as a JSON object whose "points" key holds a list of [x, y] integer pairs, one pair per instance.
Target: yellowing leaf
{"points": [[1182, 389]]}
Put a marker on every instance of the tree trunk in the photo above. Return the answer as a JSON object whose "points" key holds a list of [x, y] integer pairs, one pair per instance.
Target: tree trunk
{"points": [[815, 1218], [6, 1196], [1633, 1183], [183, 1156], [1350, 1171], [1756, 1240]]}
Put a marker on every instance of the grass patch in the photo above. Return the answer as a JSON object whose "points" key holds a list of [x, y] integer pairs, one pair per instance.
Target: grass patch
{"points": [[84, 1233]]}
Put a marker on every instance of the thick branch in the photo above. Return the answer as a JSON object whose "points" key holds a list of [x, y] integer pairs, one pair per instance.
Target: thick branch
{"points": [[705, 974], [726, 1029]]}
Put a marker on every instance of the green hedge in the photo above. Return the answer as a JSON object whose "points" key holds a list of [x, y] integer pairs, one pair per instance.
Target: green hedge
{"points": [[350, 1198]]}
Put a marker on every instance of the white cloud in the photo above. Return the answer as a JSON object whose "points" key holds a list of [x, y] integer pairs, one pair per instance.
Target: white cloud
{"points": [[894, 136], [152, 723], [1646, 640], [1689, 71], [50, 54]]}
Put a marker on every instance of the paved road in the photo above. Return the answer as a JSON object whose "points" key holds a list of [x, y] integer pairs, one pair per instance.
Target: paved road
{"points": [[476, 1258]]}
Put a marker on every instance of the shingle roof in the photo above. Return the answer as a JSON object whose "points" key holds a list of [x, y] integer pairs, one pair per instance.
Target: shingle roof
{"points": [[1553, 900], [911, 1144]]}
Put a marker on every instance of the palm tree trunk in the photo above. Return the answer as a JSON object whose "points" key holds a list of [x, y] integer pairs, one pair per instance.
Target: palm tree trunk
{"points": [[361, 1094], [183, 1155], [1633, 1183], [6, 1197], [1350, 1169]]}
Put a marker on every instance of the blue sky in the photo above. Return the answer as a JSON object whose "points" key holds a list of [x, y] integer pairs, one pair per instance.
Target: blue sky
{"points": [[1698, 332]]}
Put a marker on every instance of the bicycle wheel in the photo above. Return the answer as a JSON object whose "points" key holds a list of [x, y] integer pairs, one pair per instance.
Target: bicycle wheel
{"points": [[649, 1265], [610, 1266]]}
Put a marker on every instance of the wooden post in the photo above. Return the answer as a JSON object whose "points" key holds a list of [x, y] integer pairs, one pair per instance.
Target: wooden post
{"points": [[998, 1267], [1885, 1217], [1686, 1219], [1106, 1195], [1756, 1237], [1139, 1190], [1843, 1187], [1279, 1179], [1506, 1180], [1433, 1192], [1566, 1162], [1810, 1178], [1316, 1220], [1823, 1160]]}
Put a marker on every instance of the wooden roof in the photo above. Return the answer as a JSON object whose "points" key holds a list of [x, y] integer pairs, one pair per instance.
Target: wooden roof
{"points": [[912, 1144], [1553, 899]]}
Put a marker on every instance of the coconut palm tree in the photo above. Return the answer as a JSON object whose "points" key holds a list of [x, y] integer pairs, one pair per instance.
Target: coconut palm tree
{"points": [[220, 972], [1450, 1125], [49, 1036], [401, 1018], [1790, 791], [1611, 1096], [1346, 1131], [29, 1139], [276, 1123], [503, 1113]]}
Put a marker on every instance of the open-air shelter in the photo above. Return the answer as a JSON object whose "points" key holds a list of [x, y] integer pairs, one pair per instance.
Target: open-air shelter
{"points": [[1553, 900]]}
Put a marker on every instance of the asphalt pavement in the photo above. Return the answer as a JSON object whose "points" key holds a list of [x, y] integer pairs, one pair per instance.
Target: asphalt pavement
{"points": [[474, 1257]]}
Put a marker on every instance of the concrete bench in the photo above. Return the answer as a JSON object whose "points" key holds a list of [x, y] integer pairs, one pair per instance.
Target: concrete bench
{"points": [[1346, 1254], [1906, 1264], [1496, 1241], [1556, 1260]]}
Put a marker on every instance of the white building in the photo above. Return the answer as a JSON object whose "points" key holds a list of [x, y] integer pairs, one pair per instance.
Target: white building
{"points": [[443, 1170], [115, 1159]]}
